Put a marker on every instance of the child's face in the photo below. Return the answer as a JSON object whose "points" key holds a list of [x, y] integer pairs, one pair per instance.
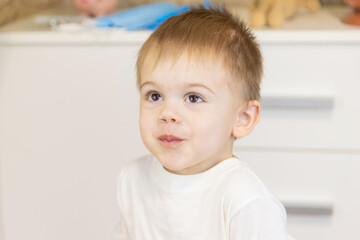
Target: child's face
{"points": [[187, 115]]}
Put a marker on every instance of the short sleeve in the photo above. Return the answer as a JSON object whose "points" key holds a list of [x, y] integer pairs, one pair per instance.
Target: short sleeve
{"points": [[261, 219]]}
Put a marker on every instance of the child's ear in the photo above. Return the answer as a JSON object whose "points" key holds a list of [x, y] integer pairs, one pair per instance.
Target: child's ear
{"points": [[246, 119]]}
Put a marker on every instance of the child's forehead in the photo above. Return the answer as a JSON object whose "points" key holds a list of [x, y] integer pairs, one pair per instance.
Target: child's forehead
{"points": [[186, 72], [157, 64], [189, 63], [189, 70]]}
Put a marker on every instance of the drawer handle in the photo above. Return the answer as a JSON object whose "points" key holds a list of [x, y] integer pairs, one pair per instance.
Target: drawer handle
{"points": [[323, 101], [308, 206]]}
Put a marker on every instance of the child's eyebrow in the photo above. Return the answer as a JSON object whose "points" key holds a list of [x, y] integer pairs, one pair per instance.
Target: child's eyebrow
{"points": [[147, 83], [189, 85], [200, 85]]}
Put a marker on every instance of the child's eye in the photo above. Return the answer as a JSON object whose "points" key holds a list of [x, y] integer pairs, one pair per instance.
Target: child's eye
{"points": [[193, 98], [153, 97]]}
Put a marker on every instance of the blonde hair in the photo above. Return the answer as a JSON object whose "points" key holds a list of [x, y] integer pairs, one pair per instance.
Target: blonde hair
{"points": [[204, 33]]}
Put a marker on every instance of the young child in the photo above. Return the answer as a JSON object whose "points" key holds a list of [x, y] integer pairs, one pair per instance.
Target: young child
{"points": [[199, 77]]}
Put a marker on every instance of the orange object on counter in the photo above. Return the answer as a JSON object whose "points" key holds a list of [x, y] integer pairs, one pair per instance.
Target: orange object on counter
{"points": [[354, 18]]}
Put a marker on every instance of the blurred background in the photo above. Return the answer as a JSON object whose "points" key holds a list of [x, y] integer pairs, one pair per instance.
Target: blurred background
{"points": [[11, 10], [69, 119]]}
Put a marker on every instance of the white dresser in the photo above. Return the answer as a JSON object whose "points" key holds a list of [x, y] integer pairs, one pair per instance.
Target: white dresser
{"points": [[69, 120]]}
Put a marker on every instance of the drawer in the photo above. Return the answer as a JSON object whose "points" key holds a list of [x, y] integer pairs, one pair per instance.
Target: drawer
{"points": [[320, 190], [311, 100]]}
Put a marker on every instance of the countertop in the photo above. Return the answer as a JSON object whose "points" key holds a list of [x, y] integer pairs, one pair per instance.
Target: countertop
{"points": [[325, 26]]}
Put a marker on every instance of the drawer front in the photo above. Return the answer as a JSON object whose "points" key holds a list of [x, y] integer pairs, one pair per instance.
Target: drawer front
{"points": [[319, 190], [310, 98]]}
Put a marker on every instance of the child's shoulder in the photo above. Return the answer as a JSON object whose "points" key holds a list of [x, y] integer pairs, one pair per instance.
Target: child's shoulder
{"points": [[242, 176], [242, 185]]}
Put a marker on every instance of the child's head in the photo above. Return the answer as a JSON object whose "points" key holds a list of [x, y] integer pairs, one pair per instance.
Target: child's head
{"points": [[199, 76], [208, 35]]}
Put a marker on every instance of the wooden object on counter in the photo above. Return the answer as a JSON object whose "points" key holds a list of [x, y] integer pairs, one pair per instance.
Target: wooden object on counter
{"points": [[274, 12], [15, 9]]}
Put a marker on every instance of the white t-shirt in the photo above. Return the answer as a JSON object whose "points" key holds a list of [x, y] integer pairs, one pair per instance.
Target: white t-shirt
{"points": [[227, 201]]}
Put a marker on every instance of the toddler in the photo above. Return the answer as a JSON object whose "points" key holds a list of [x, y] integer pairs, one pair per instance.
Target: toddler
{"points": [[199, 78]]}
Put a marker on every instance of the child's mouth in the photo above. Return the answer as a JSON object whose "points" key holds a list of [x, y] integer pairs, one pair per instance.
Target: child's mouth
{"points": [[170, 140]]}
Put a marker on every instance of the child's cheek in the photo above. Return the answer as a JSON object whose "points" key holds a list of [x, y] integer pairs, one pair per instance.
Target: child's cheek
{"points": [[144, 121]]}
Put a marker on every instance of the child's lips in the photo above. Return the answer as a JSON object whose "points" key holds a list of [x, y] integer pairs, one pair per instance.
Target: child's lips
{"points": [[170, 140]]}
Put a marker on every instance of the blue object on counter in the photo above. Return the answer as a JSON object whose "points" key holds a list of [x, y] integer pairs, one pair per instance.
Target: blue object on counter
{"points": [[148, 16]]}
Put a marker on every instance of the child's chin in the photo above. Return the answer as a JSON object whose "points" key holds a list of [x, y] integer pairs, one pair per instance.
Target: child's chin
{"points": [[174, 166], [172, 171]]}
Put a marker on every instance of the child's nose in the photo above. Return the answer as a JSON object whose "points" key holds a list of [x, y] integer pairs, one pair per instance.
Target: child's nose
{"points": [[168, 115], [168, 119]]}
